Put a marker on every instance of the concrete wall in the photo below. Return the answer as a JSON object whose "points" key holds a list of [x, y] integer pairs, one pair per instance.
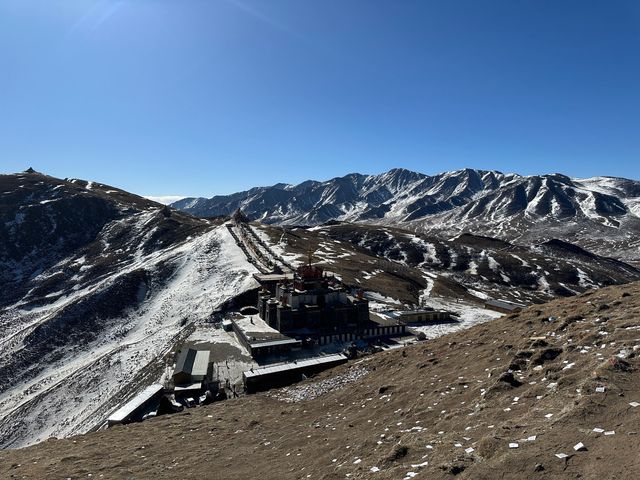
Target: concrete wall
{"points": [[368, 333], [281, 379], [423, 316]]}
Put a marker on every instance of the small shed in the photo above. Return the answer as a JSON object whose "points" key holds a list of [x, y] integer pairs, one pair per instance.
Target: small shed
{"points": [[503, 306], [422, 316], [191, 366], [227, 326], [135, 407]]}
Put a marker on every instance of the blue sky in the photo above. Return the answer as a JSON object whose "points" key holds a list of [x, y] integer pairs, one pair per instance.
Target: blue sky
{"points": [[200, 97]]}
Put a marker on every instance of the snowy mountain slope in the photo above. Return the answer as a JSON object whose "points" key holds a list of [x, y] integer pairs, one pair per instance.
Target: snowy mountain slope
{"points": [[95, 306], [468, 264], [522, 273], [99, 284], [398, 193], [599, 213]]}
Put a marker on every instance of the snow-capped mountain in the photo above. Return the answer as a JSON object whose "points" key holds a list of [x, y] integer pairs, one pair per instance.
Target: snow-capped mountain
{"points": [[600, 213], [98, 285]]}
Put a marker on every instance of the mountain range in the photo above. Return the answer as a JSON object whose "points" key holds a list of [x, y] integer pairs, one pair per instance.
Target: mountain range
{"points": [[100, 285], [599, 213]]}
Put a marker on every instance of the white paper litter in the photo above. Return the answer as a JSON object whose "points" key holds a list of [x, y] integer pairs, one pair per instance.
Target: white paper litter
{"points": [[513, 445]]}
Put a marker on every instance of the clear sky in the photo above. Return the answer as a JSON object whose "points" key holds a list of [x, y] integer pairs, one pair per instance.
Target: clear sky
{"points": [[200, 97]]}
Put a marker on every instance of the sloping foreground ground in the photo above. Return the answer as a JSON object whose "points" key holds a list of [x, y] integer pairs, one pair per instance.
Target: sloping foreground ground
{"points": [[444, 408]]}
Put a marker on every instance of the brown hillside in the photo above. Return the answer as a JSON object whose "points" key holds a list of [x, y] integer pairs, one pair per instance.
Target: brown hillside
{"points": [[444, 408]]}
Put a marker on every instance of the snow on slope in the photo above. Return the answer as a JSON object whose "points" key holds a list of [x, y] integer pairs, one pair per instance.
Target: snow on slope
{"points": [[468, 315], [596, 212], [633, 204], [280, 248], [75, 394]]}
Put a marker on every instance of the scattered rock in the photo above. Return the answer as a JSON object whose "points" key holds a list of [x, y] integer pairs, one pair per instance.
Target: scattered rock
{"points": [[539, 343], [308, 391], [453, 468], [397, 453], [619, 364], [546, 355], [509, 379]]}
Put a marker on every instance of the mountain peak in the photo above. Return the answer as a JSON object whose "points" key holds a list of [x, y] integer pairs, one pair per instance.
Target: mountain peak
{"points": [[400, 170], [483, 201]]}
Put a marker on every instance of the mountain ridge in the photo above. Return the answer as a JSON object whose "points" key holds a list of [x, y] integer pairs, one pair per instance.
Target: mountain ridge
{"points": [[99, 284], [602, 210]]}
